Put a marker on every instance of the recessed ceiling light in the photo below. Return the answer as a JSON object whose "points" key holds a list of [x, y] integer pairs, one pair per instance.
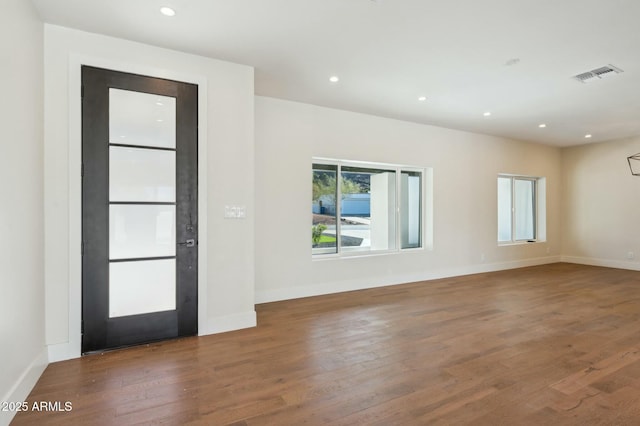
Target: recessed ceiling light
{"points": [[587, 136], [542, 126], [334, 79], [159, 120], [487, 113], [167, 11], [159, 103], [422, 98]]}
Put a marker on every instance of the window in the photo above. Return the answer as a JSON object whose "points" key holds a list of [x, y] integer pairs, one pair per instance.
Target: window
{"points": [[365, 207], [517, 209]]}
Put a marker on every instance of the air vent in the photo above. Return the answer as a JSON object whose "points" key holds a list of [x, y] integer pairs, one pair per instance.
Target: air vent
{"points": [[598, 73]]}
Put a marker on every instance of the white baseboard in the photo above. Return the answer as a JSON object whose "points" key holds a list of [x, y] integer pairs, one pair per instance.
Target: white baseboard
{"points": [[221, 324], [23, 386], [63, 352], [231, 322], [608, 263], [265, 296]]}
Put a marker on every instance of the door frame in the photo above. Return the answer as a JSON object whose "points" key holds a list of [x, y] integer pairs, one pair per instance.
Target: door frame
{"points": [[72, 348]]}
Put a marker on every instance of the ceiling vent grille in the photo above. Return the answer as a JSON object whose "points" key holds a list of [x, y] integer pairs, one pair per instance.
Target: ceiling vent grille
{"points": [[597, 74]]}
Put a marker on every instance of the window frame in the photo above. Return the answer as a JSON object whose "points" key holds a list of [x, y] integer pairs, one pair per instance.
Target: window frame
{"points": [[535, 208], [398, 169]]}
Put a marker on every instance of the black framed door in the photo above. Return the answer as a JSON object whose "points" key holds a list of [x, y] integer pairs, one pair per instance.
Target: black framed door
{"points": [[139, 209]]}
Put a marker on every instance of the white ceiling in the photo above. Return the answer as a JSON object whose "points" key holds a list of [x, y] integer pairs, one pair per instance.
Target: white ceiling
{"points": [[387, 53]]}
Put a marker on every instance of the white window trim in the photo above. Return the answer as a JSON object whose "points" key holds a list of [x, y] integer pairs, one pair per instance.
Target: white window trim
{"points": [[539, 210], [426, 224]]}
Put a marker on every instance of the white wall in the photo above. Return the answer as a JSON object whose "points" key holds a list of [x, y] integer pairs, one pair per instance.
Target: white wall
{"points": [[22, 350], [226, 177], [465, 168], [601, 205]]}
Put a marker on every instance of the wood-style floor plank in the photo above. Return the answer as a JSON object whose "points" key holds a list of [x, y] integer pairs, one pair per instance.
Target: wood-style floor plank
{"points": [[554, 344]]}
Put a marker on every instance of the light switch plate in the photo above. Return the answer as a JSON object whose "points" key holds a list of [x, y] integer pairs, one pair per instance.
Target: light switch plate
{"points": [[235, 212], [230, 212]]}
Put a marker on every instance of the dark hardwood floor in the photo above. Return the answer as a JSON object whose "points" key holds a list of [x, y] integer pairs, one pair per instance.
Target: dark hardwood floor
{"points": [[548, 345]]}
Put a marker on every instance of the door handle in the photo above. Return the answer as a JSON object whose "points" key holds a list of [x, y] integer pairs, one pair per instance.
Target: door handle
{"points": [[189, 243]]}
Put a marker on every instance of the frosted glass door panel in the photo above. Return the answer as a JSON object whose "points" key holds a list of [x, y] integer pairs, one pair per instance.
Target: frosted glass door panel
{"points": [[142, 174], [141, 287], [137, 118], [137, 231]]}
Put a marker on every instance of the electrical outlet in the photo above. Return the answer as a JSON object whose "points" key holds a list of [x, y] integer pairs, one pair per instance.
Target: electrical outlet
{"points": [[631, 255]]}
